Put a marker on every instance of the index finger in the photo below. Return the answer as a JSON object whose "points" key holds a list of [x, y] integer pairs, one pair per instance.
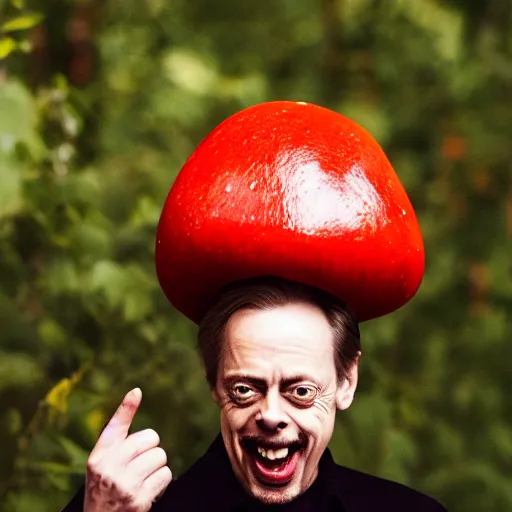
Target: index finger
{"points": [[119, 425]]}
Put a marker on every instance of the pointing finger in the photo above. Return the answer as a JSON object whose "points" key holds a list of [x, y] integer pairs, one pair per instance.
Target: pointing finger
{"points": [[119, 425]]}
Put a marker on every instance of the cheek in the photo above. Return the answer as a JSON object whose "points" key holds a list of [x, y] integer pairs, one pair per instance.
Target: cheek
{"points": [[325, 405], [318, 420], [234, 417]]}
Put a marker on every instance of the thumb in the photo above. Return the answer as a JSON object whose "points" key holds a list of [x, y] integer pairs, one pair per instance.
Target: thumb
{"points": [[119, 425]]}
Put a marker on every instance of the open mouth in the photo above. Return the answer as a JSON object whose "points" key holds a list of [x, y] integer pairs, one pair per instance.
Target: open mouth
{"points": [[273, 464]]}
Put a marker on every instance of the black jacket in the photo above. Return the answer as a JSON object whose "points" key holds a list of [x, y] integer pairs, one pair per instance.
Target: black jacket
{"points": [[210, 485]]}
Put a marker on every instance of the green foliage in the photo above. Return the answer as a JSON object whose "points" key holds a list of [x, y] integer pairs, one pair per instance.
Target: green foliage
{"points": [[101, 106], [23, 22], [20, 21]]}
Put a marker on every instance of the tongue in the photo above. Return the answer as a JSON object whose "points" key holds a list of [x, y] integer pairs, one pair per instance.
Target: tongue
{"points": [[279, 474]]}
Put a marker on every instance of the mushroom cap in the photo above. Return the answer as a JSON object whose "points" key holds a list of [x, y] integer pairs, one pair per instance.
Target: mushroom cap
{"points": [[292, 190]]}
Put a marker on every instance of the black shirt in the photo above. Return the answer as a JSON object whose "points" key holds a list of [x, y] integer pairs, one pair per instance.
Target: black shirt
{"points": [[210, 485]]}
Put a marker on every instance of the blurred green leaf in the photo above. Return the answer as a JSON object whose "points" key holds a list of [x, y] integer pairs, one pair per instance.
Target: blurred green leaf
{"points": [[22, 22], [371, 117], [190, 71], [13, 421], [18, 371], [11, 199], [7, 46], [18, 117], [57, 397], [76, 454]]}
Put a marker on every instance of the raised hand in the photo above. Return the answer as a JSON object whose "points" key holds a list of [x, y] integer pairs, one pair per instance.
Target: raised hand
{"points": [[125, 472]]}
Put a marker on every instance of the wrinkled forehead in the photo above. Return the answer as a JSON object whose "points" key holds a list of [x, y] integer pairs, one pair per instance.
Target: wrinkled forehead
{"points": [[284, 340]]}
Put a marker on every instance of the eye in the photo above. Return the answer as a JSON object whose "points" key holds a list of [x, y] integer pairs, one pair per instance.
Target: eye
{"points": [[303, 394], [242, 390], [242, 394]]}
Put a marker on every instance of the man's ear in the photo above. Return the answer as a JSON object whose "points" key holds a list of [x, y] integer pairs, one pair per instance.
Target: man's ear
{"points": [[215, 395], [347, 387]]}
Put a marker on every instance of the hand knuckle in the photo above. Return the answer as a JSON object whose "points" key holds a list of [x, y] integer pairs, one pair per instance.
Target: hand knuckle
{"points": [[154, 435], [161, 455], [166, 474], [109, 478], [93, 463], [125, 489], [141, 504]]}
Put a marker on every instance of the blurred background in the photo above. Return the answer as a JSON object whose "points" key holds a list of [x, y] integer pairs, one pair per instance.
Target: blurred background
{"points": [[100, 105]]}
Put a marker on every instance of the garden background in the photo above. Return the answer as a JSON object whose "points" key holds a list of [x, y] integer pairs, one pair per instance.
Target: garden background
{"points": [[100, 105]]}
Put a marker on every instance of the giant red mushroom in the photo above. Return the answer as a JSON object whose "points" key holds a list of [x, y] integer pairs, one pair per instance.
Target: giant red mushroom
{"points": [[292, 190]]}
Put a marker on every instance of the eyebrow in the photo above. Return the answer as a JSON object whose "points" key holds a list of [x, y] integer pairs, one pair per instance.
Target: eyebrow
{"points": [[262, 383], [255, 381], [296, 378]]}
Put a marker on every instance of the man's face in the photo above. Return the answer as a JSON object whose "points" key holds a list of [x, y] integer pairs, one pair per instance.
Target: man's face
{"points": [[278, 392]]}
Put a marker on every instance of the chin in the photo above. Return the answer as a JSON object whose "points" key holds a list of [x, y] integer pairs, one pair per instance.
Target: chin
{"points": [[279, 496]]}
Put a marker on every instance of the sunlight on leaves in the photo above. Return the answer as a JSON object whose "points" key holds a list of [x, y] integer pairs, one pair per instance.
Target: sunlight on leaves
{"points": [[7, 46], [22, 22], [57, 397]]}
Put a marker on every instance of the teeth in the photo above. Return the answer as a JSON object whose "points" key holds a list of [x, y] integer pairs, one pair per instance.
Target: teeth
{"points": [[282, 453]]}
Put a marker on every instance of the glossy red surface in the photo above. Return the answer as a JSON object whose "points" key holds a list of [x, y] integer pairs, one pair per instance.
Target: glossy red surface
{"points": [[292, 190]]}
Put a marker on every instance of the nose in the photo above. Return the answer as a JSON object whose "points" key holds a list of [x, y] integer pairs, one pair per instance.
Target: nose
{"points": [[271, 417]]}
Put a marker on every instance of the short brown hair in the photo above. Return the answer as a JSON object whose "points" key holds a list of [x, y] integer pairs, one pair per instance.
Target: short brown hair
{"points": [[266, 293]]}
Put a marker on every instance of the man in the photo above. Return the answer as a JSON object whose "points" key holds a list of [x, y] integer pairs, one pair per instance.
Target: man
{"points": [[280, 358], [261, 275]]}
